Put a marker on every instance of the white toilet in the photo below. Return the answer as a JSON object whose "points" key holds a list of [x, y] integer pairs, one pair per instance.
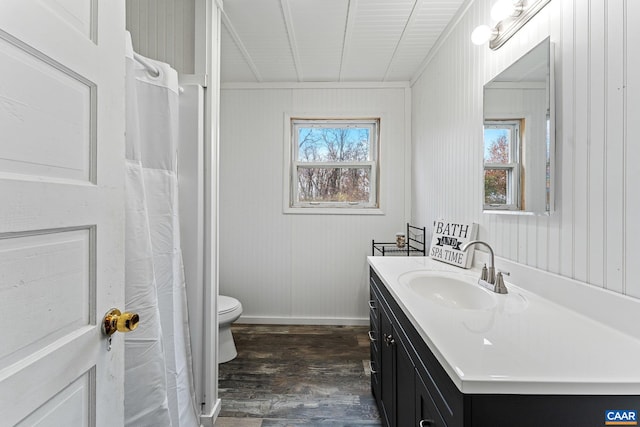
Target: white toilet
{"points": [[229, 310]]}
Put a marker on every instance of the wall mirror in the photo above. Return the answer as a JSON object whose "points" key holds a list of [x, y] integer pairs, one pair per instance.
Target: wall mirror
{"points": [[519, 136]]}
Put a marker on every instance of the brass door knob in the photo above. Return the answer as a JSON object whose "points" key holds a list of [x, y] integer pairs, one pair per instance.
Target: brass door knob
{"points": [[114, 321]]}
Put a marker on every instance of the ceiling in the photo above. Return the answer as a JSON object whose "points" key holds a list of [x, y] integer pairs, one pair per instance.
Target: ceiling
{"points": [[329, 40]]}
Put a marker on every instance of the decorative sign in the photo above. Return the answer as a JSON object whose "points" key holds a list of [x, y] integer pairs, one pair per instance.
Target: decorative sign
{"points": [[447, 239]]}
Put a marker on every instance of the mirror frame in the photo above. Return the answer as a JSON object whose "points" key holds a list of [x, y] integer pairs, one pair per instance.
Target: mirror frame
{"points": [[552, 135]]}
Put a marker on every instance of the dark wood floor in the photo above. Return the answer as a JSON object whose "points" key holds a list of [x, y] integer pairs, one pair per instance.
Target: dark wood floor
{"points": [[297, 376]]}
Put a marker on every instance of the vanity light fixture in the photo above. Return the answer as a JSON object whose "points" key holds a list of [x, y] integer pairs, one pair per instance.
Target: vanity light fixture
{"points": [[504, 9], [482, 34], [510, 15], [501, 10]]}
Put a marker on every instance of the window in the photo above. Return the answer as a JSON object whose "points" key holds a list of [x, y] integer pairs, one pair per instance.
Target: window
{"points": [[334, 163], [502, 164]]}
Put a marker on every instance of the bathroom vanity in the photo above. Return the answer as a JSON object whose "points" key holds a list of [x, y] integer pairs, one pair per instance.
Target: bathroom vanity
{"points": [[489, 361]]}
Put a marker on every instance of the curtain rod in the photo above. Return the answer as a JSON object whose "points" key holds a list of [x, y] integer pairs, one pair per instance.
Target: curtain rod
{"points": [[151, 69]]}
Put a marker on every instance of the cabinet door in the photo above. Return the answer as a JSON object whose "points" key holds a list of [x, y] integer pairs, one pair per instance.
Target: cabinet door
{"points": [[405, 375], [426, 414], [397, 375], [387, 380]]}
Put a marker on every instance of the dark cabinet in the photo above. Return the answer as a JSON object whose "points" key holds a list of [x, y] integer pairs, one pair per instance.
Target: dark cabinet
{"points": [[405, 376], [387, 380], [374, 338], [398, 378], [398, 386], [412, 388], [426, 414]]}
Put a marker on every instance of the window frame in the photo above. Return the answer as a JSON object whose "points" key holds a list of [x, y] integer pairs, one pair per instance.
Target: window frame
{"points": [[293, 165], [514, 193]]}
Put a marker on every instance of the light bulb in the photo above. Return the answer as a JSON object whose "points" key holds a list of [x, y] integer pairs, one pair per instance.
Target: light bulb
{"points": [[482, 34], [504, 9]]}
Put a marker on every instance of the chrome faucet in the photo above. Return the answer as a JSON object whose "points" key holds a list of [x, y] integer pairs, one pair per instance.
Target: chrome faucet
{"points": [[488, 277]]}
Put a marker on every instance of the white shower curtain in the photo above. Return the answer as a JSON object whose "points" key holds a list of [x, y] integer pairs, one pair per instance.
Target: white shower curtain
{"points": [[159, 388]]}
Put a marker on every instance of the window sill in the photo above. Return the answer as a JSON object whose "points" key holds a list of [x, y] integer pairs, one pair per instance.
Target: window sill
{"points": [[333, 211]]}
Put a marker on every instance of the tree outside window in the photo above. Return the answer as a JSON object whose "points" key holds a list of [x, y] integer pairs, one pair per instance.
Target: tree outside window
{"points": [[501, 164], [334, 163]]}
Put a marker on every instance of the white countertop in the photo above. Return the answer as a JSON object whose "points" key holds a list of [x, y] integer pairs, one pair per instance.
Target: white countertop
{"points": [[525, 345]]}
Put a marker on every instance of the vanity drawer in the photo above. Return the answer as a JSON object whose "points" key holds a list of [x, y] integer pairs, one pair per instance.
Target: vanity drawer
{"points": [[374, 342], [374, 302], [374, 320], [374, 365]]}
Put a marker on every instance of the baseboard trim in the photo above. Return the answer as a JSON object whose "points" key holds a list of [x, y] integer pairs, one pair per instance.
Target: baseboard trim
{"points": [[268, 320], [208, 420]]}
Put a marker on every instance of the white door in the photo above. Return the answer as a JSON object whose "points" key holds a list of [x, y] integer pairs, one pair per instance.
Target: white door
{"points": [[61, 211]]}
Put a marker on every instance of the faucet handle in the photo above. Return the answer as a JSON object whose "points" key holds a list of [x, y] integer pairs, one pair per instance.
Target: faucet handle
{"points": [[500, 286], [484, 274]]}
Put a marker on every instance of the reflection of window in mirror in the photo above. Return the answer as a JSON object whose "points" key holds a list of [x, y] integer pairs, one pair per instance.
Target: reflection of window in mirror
{"points": [[548, 163], [502, 164]]}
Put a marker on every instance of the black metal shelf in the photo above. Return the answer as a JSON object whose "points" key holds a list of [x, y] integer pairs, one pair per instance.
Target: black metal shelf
{"points": [[414, 246]]}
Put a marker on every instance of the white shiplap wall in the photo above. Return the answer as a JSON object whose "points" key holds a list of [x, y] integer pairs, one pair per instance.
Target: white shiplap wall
{"points": [[593, 235], [164, 30], [302, 268]]}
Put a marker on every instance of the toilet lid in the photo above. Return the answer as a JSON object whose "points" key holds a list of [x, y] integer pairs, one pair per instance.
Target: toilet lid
{"points": [[227, 304]]}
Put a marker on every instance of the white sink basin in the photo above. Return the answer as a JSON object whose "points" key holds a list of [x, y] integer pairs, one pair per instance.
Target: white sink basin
{"points": [[449, 289]]}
